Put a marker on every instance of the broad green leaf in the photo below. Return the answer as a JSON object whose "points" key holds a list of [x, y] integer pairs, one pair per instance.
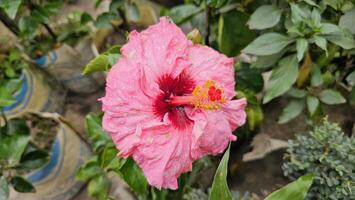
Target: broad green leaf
{"points": [[321, 42], [85, 18], [88, 170], [21, 185], [301, 46], [182, 13], [4, 188], [116, 4], [265, 16], [34, 159], [311, 2], [282, 78], [268, 61], [291, 111], [12, 148], [133, 12], [348, 21], [219, 189], [312, 104], [6, 98], [351, 78], [296, 190], [340, 37], [316, 19], [10, 7], [331, 97], [28, 26], [268, 44], [99, 187], [134, 177], [328, 28], [113, 58], [233, 34], [97, 64], [299, 14]]}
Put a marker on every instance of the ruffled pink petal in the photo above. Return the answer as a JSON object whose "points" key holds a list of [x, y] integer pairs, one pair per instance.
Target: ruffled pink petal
{"points": [[126, 105], [208, 64], [163, 154], [160, 49], [212, 130]]}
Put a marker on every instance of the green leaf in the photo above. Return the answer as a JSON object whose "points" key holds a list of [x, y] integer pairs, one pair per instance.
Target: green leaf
{"points": [[108, 154], [347, 21], [351, 78], [21, 185], [268, 44], [34, 159], [291, 111], [12, 148], [249, 78], [99, 187], [182, 13], [233, 34], [85, 18], [331, 97], [4, 188], [97, 64], [340, 37], [296, 190], [133, 12], [282, 78], [268, 61], [254, 115], [104, 20], [316, 79], [265, 16], [113, 58], [88, 170], [321, 42], [134, 177], [116, 4], [336, 4], [6, 98], [312, 104], [301, 46], [299, 13], [95, 131], [219, 189], [10, 7], [296, 93]]}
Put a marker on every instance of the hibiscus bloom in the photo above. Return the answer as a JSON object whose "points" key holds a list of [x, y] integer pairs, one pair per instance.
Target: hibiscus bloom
{"points": [[169, 102]]}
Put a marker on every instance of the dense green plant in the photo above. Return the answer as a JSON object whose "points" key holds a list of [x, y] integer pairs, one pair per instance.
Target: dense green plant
{"points": [[308, 45], [19, 155], [329, 154], [11, 66]]}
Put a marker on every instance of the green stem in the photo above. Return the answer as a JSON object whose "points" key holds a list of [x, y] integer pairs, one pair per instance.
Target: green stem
{"points": [[9, 23], [324, 60]]}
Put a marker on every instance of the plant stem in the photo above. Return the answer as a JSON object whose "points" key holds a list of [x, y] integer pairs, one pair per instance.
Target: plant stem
{"points": [[50, 31], [3, 116], [208, 24], [9, 23], [125, 24]]}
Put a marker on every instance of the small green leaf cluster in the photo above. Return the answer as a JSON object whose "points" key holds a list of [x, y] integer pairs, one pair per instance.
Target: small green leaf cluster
{"points": [[303, 44], [18, 156], [10, 76], [327, 153]]}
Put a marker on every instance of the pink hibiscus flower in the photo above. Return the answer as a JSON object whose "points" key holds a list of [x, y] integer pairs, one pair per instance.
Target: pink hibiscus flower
{"points": [[169, 102]]}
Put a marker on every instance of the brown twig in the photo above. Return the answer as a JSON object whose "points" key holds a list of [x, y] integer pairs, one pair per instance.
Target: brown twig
{"points": [[9, 23]]}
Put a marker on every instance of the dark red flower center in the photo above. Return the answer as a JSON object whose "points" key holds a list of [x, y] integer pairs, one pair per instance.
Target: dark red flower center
{"points": [[180, 86]]}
